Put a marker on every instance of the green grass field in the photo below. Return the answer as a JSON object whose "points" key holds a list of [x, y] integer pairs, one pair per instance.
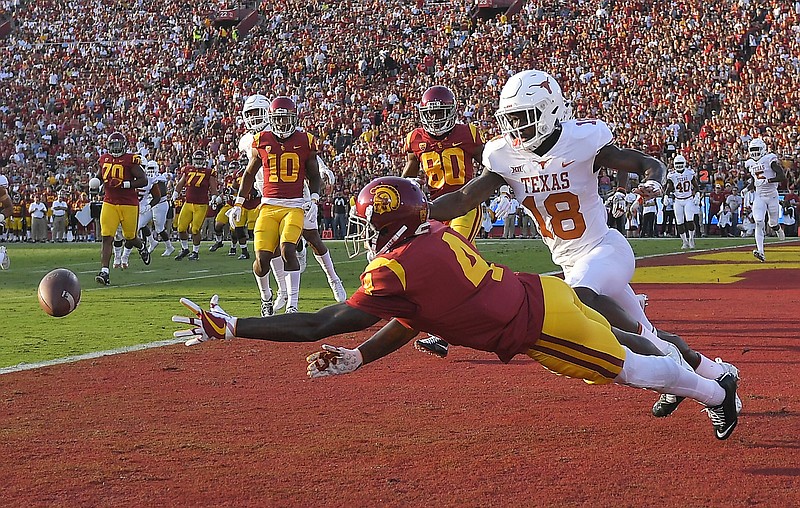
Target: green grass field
{"points": [[138, 306]]}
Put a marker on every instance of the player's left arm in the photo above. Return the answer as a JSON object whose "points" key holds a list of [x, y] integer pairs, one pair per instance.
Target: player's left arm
{"points": [[780, 174], [387, 340]]}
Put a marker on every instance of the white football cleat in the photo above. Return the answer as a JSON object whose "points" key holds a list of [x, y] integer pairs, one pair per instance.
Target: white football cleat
{"points": [[280, 301], [685, 245], [168, 251], [780, 233], [117, 263], [643, 300], [691, 243], [4, 261], [302, 256], [339, 292]]}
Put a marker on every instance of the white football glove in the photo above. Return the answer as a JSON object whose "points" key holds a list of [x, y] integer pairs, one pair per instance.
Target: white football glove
{"points": [[328, 175], [502, 208], [650, 189], [696, 199], [212, 324], [234, 215], [332, 361], [310, 208]]}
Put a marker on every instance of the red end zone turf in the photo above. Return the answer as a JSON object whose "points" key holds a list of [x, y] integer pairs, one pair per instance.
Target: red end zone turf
{"points": [[238, 423]]}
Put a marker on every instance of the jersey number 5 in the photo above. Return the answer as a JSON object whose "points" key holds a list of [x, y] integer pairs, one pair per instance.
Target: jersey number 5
{"points": [[566, 223]]}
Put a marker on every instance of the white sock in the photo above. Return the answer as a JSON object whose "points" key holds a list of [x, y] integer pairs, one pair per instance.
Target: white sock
{"points": [[218, 238], [126, 253], [709, 369], [691, 234], [185, 244], [293, 287], [117, 252], [279, 273], [263, 286], [663, 375], [683, 237], [195, 248], [760, 236], [326, 263]]}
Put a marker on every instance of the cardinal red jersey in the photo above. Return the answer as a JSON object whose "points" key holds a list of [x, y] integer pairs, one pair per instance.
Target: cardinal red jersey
{"points": [[119, 168], [283, 162], [197, 183], [438, 283], [447, 161]]}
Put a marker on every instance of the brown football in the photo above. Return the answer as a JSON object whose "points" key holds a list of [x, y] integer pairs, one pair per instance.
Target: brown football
{"points": [[59, 292]]}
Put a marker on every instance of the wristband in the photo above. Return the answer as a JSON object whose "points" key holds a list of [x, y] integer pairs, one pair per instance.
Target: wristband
{"points": [[126, 184], [239, 201], [314, 197], [174, 195]]}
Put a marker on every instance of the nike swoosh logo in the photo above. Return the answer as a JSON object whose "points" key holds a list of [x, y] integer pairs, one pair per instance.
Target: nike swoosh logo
{"points": [[565, 164], [217, 328], [459, 143], [296, 147]]}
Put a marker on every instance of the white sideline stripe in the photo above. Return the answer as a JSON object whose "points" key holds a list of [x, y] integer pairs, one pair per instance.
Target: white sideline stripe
{"points": [[88, 356]]}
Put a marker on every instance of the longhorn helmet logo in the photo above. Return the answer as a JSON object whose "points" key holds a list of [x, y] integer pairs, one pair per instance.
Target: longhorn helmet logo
{"points": [[544, 84], [386, 199]]}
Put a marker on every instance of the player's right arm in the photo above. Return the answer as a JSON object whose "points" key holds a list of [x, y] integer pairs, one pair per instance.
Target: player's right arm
{"points": [[457, 203], [179, 186]]}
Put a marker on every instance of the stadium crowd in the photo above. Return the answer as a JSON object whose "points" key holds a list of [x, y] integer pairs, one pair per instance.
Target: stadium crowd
{"points": [[696, 77]]}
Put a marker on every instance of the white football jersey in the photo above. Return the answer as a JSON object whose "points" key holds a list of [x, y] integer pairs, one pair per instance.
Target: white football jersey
{"points": [[682, 183], [144, 192], [559, 189], [246, 146], [3, 181], [761, 170]]}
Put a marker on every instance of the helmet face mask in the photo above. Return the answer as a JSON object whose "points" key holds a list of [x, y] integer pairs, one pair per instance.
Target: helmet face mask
{"points": [[388, 211], [531, 107], [679, 163], [282, 117], [437, 110], [152, 169], [199, 158], [117, 144], [254, 113], [757, 148]]}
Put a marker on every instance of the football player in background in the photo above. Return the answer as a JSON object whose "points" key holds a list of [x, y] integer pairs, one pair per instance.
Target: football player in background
{"points": [[6, 207], [283, 157], [121, 173], [683, 183], [551, 166], [311, 237], [444, 152], [426, 276], [16, 225], [158, 210], [200, 182], [227, 195], [766, 173]]}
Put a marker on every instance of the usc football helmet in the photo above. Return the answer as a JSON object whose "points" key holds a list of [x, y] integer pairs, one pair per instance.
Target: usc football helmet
{"points": [[530, 108], [117, 144], [757, 148], [199, 159], [388, 210], [282, 116], [437, 110], [254, 113], [679, 163]]}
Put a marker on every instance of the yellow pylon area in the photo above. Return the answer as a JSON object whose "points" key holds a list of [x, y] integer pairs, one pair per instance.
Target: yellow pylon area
{"points": [[719, 267]]}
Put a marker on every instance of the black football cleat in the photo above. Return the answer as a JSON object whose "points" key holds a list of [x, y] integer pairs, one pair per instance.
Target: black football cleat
{"points": [[244, 255], [725, 417], [214, 247], [193, 256], [144, 252], [232, 251], [183, 254], [666, 404], [433, 346], [102, 278]]}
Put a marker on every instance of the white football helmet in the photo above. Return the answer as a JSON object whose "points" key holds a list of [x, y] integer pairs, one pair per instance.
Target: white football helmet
{"points": [[254, 113], [530, 101], [94, 183], [151, 170], [757, 148], [679, 163]]}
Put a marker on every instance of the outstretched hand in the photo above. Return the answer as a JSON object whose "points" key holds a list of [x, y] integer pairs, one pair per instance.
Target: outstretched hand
{"points": [[212, 324], [332, 361]]}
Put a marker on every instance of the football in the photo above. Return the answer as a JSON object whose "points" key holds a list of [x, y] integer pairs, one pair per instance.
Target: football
{"points": [[59, 292]]}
